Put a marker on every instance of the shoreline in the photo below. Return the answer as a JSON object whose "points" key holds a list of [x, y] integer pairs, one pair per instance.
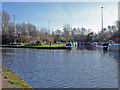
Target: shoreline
{"points": [[11, 80], [36, 47]]}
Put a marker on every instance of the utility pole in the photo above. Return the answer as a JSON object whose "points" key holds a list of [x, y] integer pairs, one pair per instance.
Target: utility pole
{"points": [[14, 21], [15, 27], [48, 25], [101, 19], [119, 15], [28, 22], [28, 29]]}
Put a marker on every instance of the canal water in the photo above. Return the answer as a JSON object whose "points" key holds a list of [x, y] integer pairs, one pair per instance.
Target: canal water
{"points": [[85, 67]]}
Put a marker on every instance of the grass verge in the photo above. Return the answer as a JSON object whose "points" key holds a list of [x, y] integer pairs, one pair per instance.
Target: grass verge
{"points": [[14, 78]]}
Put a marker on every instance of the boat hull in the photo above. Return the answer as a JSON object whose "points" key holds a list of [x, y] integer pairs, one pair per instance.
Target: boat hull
{"points": [[114, 47]]}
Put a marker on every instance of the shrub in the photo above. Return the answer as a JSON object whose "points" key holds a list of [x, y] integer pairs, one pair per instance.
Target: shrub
{"points": [[30, 42], [2, 73], [6, 77], [38, 43], [14, 82]]}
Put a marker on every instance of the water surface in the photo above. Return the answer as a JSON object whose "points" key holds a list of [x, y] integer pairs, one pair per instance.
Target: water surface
{"points": [[81, 68]]}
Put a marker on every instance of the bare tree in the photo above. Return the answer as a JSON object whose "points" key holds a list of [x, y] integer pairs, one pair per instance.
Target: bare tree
{"points": [[83, 31], [5, 21], [11, 32], [11, 29], [58, 32], [43, 30], [66, 31], [73, 31], [67, 28]]}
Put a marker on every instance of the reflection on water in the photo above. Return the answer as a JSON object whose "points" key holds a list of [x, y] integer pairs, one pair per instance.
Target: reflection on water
{"points": [[84, 67], [89, 48]]}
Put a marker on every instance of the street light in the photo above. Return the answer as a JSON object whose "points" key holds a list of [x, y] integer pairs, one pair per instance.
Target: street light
{"points": [[14, 21], [15, 26], [101, 18], [48, 25]]}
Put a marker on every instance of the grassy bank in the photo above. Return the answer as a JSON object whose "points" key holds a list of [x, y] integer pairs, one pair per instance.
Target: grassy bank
{"points": [[14, 78]]}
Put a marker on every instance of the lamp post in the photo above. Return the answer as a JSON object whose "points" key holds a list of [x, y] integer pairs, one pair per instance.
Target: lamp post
{"points": [[102, 19], [48, 25], [28, 29], [15, 26], [14, 21]]}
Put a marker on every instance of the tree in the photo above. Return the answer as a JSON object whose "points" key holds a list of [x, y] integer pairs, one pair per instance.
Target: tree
{"points": [[83, 31], [11, 32], [18, 32], [11, 29], [23, 32], [118, 30], [58, 32], [89, 37], [43, 30], [67, 28], [34, 31], [73, 31], [5, 22], [66, 31]]}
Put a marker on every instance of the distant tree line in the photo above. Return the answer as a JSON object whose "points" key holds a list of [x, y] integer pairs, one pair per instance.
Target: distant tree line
{"points": [[26, 32], [110, 33]]}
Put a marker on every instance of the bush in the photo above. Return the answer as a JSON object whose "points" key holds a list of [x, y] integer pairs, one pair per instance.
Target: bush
{"points": [[14, 82], [38, 43], [2, 73], [6, 77], [30, 42]]}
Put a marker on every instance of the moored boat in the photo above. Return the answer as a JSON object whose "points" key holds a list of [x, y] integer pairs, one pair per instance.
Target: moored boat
{"points": [[114, 47], [103, 45], [69, 45]]}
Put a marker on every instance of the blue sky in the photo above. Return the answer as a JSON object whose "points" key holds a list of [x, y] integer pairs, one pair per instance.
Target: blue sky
{"points": [[78, 14]]}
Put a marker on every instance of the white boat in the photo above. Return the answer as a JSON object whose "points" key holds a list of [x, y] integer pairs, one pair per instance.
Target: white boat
{"points": [[99, 46], [114, 47]]}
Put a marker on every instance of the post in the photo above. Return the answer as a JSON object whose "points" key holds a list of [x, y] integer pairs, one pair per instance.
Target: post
{"points": [[14, 26], [28, 28], [119, 11], [48, 25], [101, 19], [14, 21]]}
